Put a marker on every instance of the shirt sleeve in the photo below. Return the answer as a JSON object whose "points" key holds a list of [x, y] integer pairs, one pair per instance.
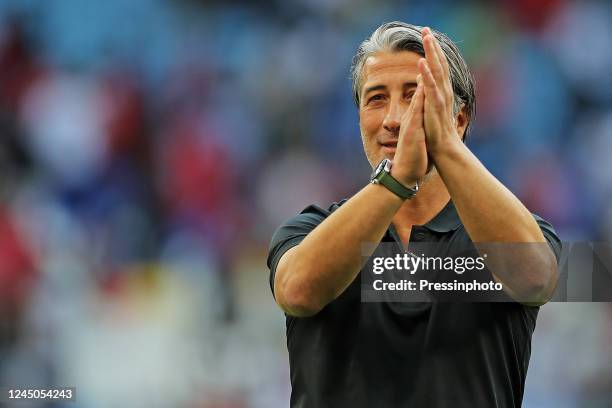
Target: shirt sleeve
{"points": [[290, 234], [551, 236]]}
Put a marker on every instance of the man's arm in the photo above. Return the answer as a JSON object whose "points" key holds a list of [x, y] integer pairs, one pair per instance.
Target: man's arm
{"points": [[488, 210], [315, 272], [492, 215]]}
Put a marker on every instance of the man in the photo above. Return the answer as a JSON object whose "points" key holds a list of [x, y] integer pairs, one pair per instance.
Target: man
{"points": [[415, 98]]}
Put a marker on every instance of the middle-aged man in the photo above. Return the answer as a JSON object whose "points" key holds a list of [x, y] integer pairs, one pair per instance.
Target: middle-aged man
{"points": [[415, 97]]}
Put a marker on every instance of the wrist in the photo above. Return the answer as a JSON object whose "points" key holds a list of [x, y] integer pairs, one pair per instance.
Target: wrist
{"points": [[403, 178], [386, 194], [382, 175], [447, 148]]}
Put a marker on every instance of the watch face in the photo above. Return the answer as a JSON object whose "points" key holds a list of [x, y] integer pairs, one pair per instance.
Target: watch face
{"points": [[379, 168]]}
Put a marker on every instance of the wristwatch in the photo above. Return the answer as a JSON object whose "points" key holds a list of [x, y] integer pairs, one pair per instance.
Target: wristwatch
{"points": [[381, 175]]}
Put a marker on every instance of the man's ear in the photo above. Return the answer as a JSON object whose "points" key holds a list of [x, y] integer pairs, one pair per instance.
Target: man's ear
{"points": [[462, 121]]}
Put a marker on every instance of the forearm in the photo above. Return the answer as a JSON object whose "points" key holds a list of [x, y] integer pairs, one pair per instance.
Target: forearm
{"points": [[325, 263], [519, 256], [488, 210]]}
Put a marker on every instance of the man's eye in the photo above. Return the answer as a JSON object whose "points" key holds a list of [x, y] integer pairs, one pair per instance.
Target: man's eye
{"points": [[409, 95], [377, 97]]}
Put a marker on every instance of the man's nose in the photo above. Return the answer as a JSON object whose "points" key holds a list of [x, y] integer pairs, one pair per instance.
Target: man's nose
{"points": [[393, 119]]}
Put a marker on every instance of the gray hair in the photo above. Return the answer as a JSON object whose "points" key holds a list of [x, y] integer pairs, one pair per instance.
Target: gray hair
{"points": [[398, 36]]}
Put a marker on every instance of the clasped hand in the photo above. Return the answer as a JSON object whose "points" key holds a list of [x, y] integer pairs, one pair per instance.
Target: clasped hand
{"points": [[429, 124]]}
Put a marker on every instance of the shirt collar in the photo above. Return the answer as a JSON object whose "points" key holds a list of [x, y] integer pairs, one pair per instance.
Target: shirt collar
{"points": [[447, 220]]}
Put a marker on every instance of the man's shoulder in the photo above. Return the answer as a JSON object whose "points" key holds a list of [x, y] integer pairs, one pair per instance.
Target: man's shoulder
{"points": [[293, 230], [306, 220]]}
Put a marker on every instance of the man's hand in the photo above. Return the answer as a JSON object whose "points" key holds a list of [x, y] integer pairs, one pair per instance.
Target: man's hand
{"points": [[439, 119], [411, 161]]}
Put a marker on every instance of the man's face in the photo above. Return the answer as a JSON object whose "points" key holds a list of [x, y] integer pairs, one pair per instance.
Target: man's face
{"points": [[388, 83]]}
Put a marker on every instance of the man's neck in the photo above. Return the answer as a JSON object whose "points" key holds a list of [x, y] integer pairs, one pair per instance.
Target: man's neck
{"points": [[429, 201]]}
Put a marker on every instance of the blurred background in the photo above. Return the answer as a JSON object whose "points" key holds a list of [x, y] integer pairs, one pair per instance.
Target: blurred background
{"points": [[148, 150]]}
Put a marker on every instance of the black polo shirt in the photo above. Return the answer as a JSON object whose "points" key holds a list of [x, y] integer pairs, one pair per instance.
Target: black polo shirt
{"points": [[400, 354]]}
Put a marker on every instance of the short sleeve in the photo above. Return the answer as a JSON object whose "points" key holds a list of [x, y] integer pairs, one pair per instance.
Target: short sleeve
{"points": [[550, 234], [290, 234]]}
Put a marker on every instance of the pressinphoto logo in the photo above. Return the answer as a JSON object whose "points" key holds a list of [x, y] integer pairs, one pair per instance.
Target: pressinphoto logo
{"points": [[466, 272]]}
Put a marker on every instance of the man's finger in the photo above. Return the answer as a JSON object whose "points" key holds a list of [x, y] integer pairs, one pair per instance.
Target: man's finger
{"points": [[408, 113], [442, 57], [432, 92], [447, 84], [414, 136], [418, 101], [431, 54]]}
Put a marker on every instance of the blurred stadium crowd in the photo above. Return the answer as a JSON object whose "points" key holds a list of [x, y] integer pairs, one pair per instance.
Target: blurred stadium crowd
{"points": [[149, 148]]}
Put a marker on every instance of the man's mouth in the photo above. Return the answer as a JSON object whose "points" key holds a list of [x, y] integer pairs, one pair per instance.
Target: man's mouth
{"points": [[389, 147]]}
